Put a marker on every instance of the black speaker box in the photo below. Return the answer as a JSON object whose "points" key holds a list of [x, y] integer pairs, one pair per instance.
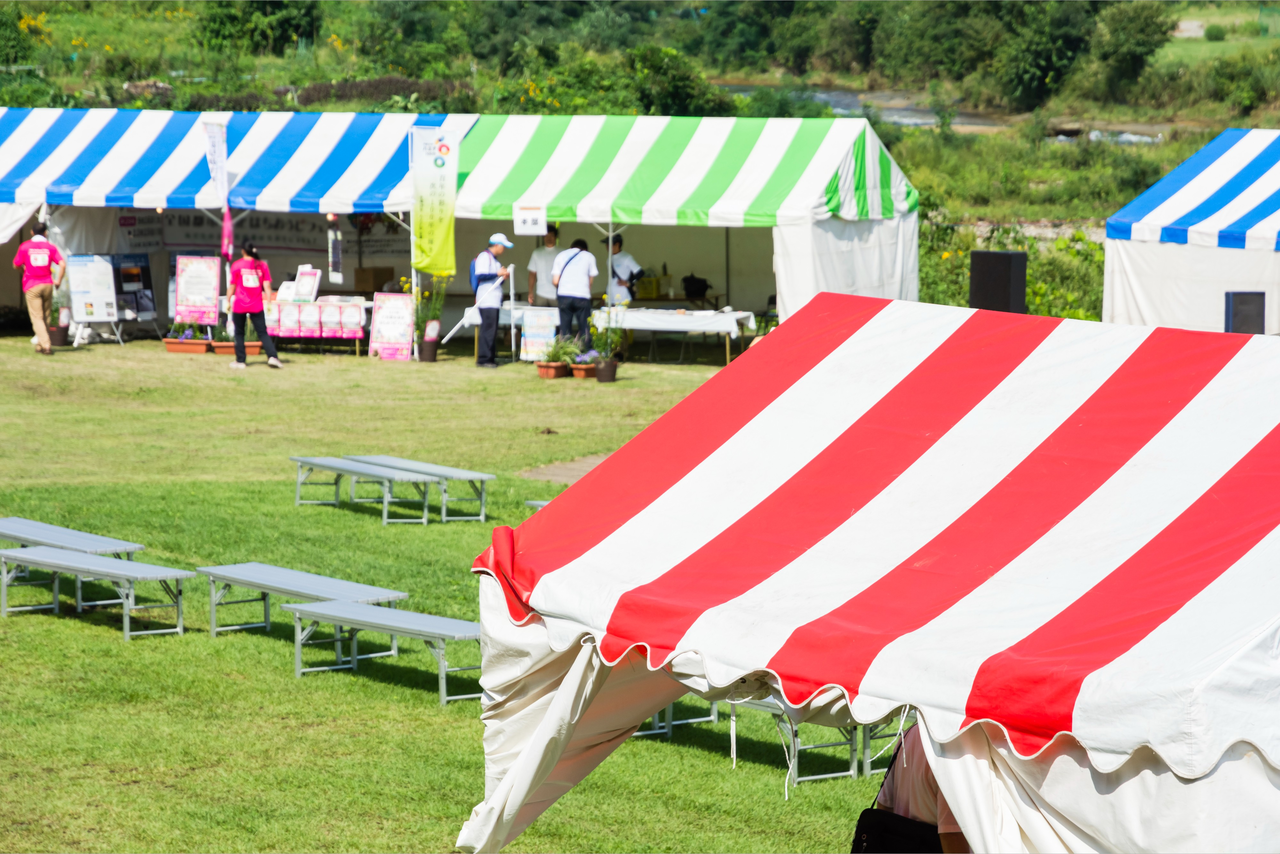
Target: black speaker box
{"points": [[1246, 312], [998, 281]]}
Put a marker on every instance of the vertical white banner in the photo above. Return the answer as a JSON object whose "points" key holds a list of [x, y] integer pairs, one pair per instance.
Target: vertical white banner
{"points": [[215, 127], [433, 162]]}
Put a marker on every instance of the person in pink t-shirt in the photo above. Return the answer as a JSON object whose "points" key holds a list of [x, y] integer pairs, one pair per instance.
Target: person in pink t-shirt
{"points": [[250, 278], [42, 269]]}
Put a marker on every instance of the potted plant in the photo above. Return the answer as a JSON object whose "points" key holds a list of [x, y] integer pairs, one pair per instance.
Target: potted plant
{"points": [[584, 365], [223, 344], [560, 353], [427, 319], [252, 346], [609, 341], [57, 329], [182, 339]]}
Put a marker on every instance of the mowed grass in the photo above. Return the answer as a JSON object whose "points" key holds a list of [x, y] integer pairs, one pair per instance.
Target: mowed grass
{"points": [[194, 744]]}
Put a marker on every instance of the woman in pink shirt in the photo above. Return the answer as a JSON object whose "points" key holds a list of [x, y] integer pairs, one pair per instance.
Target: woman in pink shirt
{"points": [[249, 278], [42, 268]]}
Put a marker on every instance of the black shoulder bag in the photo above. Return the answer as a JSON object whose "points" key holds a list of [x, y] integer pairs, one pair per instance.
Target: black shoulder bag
{"points": [[885, 832]]}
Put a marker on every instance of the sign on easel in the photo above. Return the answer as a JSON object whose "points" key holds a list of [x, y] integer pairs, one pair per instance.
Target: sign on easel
{"points": [[93, 289], [198, 289], [391, 331]]}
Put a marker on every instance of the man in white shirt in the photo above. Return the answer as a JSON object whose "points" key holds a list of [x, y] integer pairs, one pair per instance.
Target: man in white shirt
{"points": [[910, 790], [618, 290], [573, 274], [541, 290], [490, 282]]}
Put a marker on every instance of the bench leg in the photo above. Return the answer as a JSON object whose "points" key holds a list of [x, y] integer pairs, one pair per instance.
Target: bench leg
{"points": [[213, 608], [386, 500], [57, 577], [178, 602], [127, 595], [442, 662], [266, 612], [297, 646], [297, 496], [355, 650], [484, 486], [444, 501], [5, 577]]}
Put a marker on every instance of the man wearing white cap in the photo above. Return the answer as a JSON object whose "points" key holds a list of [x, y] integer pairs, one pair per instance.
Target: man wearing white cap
{"points": [[488, 279]]}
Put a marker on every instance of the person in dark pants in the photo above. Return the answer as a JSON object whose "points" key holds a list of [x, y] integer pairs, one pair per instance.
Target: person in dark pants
{"points": [[490, 279], [250, 281], [573, 274]]}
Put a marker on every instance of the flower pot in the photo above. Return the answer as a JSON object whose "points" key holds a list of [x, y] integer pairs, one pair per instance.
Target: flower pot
{"points": [[251, 348], [58, 336], [585, 371], [607, 372], [552, 370], [189, 345], [224, 348], [427, 350]]}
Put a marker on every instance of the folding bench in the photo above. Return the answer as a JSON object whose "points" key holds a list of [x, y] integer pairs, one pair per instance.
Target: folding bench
{"points": [[477, 480], [123, 575], [356, 617], [28, 532], [385, 477], [265, 579]]}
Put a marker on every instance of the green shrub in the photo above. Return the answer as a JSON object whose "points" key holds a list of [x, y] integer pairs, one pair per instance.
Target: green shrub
{"points": [[1215, 33]]}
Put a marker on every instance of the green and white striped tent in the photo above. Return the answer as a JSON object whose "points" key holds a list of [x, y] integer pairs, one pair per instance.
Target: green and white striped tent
{"points": [[660, 170], [843, 215]]}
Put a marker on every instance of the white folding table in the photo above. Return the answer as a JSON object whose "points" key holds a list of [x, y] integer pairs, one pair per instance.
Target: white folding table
{"points": [[654, 320], [385, 477], [356, 617], [28, 532], [266, 579], [477, 480], [123, 575]]}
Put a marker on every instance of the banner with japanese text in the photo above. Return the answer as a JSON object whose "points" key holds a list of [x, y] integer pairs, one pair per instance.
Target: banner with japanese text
{"points": [[433, 165]]}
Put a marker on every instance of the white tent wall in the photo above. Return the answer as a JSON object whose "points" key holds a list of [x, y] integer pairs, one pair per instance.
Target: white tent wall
{"points": [[874, 258], [1059, 802], [11, 277], [1184, 285]]}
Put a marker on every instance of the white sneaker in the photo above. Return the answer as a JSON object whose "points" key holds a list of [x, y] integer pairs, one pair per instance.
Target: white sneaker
{"points": [[273, 362], [239, 365]]}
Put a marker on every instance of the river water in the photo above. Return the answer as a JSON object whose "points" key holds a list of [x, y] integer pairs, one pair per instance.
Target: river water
{"points": [[893, 107]]}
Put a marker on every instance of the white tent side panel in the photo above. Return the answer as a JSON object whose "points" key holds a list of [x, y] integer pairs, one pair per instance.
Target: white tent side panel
{"points": [[1059, 802], [874, 258], [1184, 285]]}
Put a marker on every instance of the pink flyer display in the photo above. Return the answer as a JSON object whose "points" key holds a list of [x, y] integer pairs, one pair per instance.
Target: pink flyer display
{"points": [[197, 289], [330, 320], [272, 312], [289, 319], [309, 320], [353, 321], [391, 331]]}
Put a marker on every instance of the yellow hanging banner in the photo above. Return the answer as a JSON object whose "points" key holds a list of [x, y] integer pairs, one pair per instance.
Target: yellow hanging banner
{"points": [[433, 162]]}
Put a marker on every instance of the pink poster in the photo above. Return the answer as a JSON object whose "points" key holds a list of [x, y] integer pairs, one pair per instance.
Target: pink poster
{"points": [[272, 312], [197, 289], [330, 320], [309, 320], [353, 321], [391, 331], [289, 319]]}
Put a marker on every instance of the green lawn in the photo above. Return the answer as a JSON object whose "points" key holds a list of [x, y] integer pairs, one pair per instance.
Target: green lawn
{"points": [[191, 744]]}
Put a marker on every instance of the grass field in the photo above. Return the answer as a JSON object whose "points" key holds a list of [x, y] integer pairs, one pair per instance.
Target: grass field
{"points": [[193, 744]]}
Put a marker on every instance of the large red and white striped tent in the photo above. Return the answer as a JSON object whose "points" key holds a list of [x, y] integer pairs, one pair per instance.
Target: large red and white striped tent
{"points": [[1056, 526]]}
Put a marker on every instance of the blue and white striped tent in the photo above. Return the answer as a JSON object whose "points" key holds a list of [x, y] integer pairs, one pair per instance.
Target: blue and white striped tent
{"points": [[1173, 253], [1227, 194], [283, 162]]}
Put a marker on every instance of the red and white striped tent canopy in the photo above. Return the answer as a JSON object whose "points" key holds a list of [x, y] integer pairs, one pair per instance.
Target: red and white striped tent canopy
{"points": [[1052, 525]]}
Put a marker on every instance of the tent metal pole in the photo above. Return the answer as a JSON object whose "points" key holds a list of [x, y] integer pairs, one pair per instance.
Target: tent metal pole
{"points": [[726, 267], [608, 251]]}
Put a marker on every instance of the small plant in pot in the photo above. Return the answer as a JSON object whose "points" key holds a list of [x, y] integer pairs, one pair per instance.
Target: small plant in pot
{"points": [[183, 338], [584, 365], [57, 330], [223, 344], [427, 319], [560, 353], [609, 342]]}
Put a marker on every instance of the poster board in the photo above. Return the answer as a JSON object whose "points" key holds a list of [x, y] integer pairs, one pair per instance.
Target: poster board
{"points": [[93, 289], [198, 289], [271, 314], [307, 286], [353, 321], [290, 317], [391, 332], [309, 320], [537, 333], [330, 320]]}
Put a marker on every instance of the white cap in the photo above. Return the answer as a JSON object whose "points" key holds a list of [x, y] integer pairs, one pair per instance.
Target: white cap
{"points": [[500, 238]]}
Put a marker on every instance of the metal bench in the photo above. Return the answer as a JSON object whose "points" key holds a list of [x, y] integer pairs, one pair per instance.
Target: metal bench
{"points": [[266, 579], [356, 617], [477, 480], [123, 575], [385, 477], [28, 532]]}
